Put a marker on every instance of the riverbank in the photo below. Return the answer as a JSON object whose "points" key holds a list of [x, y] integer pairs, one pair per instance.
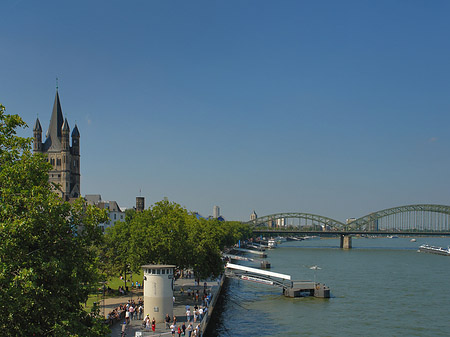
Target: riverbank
{"points": [[179, 308]]}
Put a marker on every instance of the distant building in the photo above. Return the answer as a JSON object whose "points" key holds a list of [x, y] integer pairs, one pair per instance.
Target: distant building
{"points": [[114, 212], [216, 212], [281, 222], [199, 216], [253, 216], [140, 204], [65, 159]]}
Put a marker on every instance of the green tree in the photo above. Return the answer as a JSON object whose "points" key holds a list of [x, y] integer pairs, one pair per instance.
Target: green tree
{"points": [[47, 261], [167, 233], [116, 253]]}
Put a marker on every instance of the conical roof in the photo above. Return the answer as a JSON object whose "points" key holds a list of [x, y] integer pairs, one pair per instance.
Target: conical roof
{"points": [[65, 126], [37, 126], [75, 132], [53, 140]]}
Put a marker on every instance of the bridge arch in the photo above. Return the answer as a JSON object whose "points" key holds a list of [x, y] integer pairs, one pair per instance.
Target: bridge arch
{"points": [[409, 218], [323, 221], [415, 218]]}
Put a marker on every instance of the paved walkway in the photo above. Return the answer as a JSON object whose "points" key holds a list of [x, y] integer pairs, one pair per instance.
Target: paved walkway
{"points": [[179, 308]]}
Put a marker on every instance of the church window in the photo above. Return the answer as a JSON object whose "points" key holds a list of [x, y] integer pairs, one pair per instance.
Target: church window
{"points": [[58, 162]]}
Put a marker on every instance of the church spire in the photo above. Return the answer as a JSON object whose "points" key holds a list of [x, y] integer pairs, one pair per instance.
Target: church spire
{"points": [[54, 130]]}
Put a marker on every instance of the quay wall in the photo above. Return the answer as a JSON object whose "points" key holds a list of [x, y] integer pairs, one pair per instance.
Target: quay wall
{"points": [[215, 290]]}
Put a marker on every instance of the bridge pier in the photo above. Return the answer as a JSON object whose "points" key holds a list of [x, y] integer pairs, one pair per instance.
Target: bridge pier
{"points": [[346, 241]]}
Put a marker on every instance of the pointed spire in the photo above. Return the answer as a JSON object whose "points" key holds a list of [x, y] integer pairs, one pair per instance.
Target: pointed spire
{"points": [[54, 130], [65, 126], [75, 132], [37, 126]]}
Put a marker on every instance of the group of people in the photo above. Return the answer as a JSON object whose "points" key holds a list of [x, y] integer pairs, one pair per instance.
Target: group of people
{"points": [[147, 323], [131, 310], [181, 329]]}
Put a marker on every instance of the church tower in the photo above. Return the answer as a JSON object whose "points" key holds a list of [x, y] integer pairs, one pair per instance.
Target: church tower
{"points": [[65, 159]]}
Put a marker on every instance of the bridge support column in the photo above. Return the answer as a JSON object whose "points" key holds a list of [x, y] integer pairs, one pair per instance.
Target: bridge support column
{"points": [[346, 241]]}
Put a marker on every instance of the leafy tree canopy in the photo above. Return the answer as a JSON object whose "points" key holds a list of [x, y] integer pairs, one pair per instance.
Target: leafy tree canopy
{"points": [[167, 233], [47, 260]]}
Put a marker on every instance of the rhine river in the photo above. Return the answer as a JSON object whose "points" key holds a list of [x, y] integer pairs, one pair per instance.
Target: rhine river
{"points": [[381, 287]]}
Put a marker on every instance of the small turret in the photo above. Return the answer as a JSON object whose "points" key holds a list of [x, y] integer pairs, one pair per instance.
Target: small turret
{"points": [[37, 132], [76, 141], [65, 130]]}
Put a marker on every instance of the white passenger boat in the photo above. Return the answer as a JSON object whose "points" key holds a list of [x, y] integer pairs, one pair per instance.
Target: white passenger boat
{"points": [[272, 243], [434, 250]]}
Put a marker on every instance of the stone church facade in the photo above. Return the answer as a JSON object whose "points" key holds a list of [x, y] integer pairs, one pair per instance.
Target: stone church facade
{"points": [[64, 158]]}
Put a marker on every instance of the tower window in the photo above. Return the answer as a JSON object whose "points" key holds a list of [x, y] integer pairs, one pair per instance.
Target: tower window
{"points": [[58, 162]]}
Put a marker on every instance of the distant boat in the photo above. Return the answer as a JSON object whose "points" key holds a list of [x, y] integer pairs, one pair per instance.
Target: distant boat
{"points": [[434, 250], [315, 267], [313, 237], [413, 240], [272, 243], [280, 239], [392, 237], [293, 238]]}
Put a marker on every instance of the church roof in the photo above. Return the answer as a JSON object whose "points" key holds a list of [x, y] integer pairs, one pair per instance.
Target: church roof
{"points": [[37, 125], [53, 141]]}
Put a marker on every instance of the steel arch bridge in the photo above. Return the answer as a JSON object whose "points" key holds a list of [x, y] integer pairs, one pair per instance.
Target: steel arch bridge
{"points": [[409, 218], [423, 217], [314, 219]]}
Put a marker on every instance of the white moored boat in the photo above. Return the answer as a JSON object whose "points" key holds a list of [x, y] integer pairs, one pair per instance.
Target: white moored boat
{"points": [[434, 250], [272, 243]]}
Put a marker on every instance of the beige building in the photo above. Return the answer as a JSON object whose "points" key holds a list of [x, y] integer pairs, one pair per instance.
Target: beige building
{"points": [[65, 159]]}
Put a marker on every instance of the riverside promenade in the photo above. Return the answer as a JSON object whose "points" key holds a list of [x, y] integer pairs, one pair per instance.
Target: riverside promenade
{"points": [[179, 308]]}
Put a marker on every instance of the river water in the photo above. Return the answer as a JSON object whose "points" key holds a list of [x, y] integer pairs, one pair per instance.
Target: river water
{"points": [[381, 287]]}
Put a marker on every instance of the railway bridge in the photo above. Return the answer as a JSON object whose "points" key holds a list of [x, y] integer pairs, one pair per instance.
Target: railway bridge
{"points": [[420, 219]]}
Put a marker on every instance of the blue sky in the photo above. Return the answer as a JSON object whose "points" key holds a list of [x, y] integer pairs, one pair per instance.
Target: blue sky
{"points": [[337, 108]]}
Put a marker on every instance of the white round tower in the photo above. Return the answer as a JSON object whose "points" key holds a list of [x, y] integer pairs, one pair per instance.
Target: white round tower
{"points": [[158, 291]]}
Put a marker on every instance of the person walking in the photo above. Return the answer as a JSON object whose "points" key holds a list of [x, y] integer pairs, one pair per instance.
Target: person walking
{"points": [[153, 324], [167, 320], [188, 315]]}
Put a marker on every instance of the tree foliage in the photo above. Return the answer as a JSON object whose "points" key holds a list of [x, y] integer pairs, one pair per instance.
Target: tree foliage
{"points": [[168, 234], [47, 260]]}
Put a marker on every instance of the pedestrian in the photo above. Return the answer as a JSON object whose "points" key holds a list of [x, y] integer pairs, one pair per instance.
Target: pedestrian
{"points": [[127, 316], [179, 331], [189, 329], [172, 329], [167, 320], [188, 315], [183, 327], [153, 324], [200, 314], [131, 310]]}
